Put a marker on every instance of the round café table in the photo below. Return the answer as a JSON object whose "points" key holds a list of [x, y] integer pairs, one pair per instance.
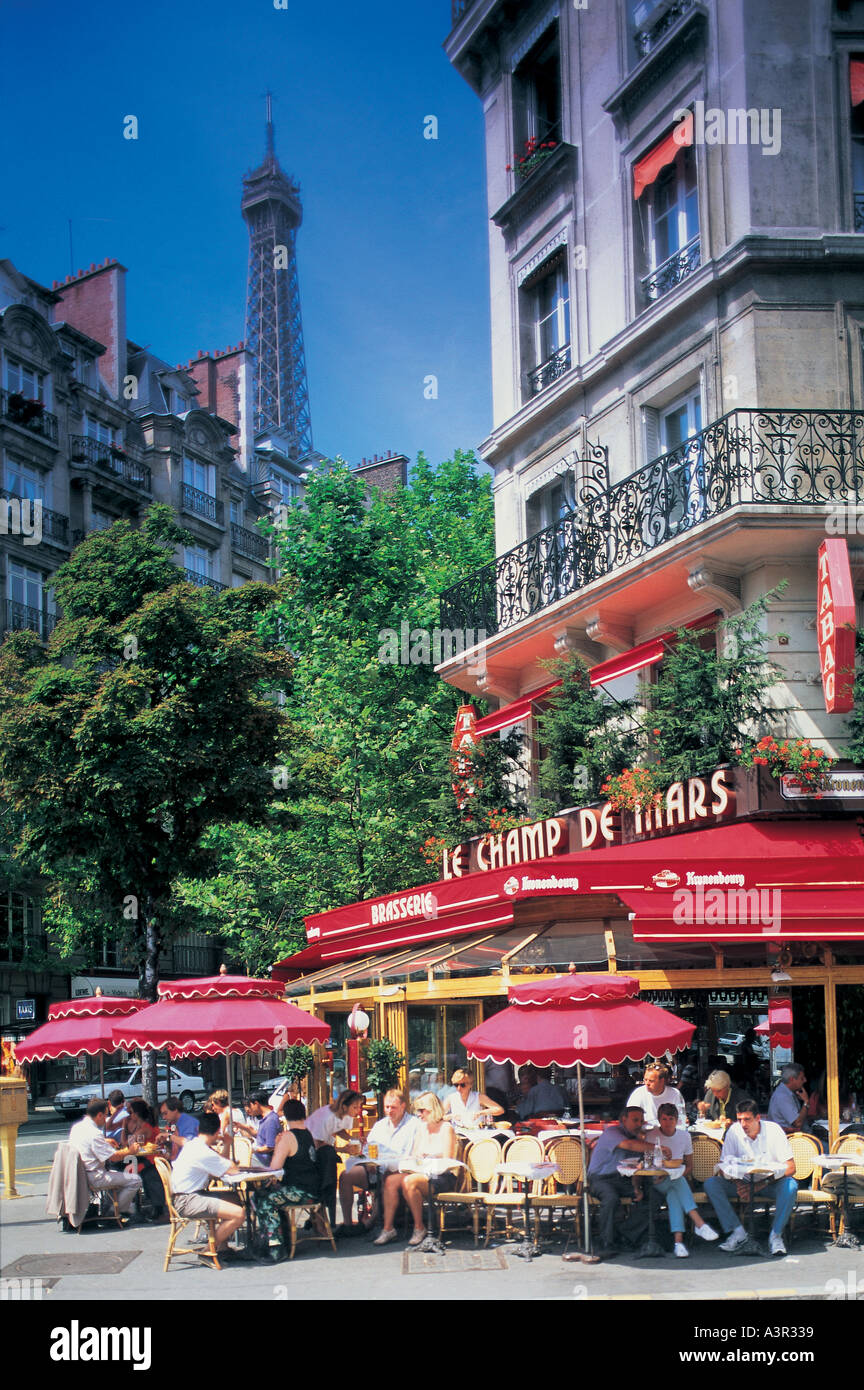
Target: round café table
{"points": [[434, 1167], [243, 1181], [848, 1240], [527, 1173], [651, 1250]]}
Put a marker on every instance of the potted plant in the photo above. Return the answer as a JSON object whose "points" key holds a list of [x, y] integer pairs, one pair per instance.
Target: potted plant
{"points": [[805, 765], [384, 1062], [536, 151], [299, 1061]]}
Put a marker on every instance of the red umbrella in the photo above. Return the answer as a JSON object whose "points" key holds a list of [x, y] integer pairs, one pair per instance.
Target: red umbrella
{"points": [[571, 1020], [778, 1025], [76, 1027], [220, 1013]]}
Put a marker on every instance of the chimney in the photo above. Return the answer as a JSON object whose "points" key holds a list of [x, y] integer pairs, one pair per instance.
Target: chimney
{"points": [[95, 302]]}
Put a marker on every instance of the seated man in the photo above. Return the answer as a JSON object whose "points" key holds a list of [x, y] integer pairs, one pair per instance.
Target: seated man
{"points": [[608, 1186], [87, 1137], [680, 1202], [268, 1127], [721, 1099], [751, 1140], [179, 1126], [197, 1163], [539, 1096], [788, 1105], [118, 1112], [393, 1138], [655, 1091]]}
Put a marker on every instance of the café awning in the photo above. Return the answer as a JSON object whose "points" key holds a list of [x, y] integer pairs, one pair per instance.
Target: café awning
{"points": [[515, 712], [764, 911]]}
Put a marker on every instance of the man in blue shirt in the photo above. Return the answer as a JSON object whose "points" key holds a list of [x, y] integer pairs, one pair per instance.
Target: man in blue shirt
{"points": [[788, 1104], [268, 1127], [619, 1142], [179, 1125]]}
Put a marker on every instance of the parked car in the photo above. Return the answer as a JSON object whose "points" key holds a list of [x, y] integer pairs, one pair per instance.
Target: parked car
{"points": [[730, 1042], [189, 1089]]}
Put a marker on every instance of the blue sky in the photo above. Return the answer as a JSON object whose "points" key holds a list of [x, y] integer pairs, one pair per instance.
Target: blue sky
{"points": [[393, 248]]}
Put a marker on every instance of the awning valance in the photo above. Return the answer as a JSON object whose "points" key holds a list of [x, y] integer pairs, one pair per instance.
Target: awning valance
{"points": [[646, 169], [515, 712]]}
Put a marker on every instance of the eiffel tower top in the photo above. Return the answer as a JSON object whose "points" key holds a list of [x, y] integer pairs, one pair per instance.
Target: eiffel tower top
{"points": [[269, 181]]}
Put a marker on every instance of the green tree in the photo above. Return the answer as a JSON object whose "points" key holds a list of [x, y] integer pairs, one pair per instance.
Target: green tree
{"points": [[146, 722], [586, 736], [368, 762], [855, 723]]}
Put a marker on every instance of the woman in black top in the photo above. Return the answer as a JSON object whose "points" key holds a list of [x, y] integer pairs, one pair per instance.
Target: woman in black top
{"points": [[294, 1154]]}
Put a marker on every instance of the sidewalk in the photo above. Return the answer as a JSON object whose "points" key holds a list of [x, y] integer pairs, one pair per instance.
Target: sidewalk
{"points": [[127, 1265]]}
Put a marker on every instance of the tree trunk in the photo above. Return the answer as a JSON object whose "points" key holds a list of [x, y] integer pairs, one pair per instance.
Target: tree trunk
{"points": [[149, 981]]}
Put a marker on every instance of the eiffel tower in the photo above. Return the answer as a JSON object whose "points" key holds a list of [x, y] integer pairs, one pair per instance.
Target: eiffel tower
{"points": [[279, 397]]}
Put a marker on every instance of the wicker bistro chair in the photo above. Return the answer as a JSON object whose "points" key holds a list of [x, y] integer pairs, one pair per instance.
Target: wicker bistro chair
{"points": [[805, 1150], [567, 1153], [706, 1156], [505, 1194], [65, 1155], [179, 1223], [481, 1158], [289, 1218], [851, 1144]]}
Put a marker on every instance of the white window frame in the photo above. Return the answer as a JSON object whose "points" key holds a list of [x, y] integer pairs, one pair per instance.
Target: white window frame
{"points": [[196, 471], [39, 481], [560, 312], [100, 430], [680, 206], [691, 402], [41, 379], [196, 555]]}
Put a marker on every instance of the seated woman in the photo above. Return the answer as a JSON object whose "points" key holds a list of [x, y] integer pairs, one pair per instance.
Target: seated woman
{"points": [[324, 1124], [294, 1154], [466, 1106], [139, 1128], [436, 1138]]}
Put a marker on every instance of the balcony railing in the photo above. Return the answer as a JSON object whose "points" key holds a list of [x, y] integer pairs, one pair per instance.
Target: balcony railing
{"points": [[202, 504], [249, 543], [672, 271], [780, 458], [30, 415], [20, 617], [859, 211], [550, 370], [109, 458], [203, 580], [54, 525]]}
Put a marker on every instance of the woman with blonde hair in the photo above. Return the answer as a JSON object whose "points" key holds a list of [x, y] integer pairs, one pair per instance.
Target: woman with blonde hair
{"points": [[465, 1105], [436, 1138]]}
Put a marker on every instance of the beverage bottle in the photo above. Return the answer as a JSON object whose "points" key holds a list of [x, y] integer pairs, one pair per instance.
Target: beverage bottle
{"points": [[658, 1154]]}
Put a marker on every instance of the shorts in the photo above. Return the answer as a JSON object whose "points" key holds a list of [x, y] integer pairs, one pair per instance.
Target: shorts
{"points": [[198, 1204]]}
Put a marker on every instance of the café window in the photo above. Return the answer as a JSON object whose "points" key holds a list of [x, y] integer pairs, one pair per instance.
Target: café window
{"points": [[434, 1049]]}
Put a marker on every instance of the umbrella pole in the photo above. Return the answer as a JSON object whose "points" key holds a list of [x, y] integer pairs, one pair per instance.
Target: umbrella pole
{"points": [[102, 1074], [230, 1110], [586, 1216]]}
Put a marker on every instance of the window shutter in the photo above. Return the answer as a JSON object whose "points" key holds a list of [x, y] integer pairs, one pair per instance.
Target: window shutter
{"points": [[651, 430]]}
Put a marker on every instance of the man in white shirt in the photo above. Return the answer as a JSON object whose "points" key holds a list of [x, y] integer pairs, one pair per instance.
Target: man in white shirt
{"points": [[393, 1138], [655, 1092], [193, 1168], [753, 1141], [88, 1138]]}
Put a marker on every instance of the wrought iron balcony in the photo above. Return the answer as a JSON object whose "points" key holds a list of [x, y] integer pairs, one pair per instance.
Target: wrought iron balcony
{"points": [[109, 458], [20, 617], [550, 370], [30, 415], [249, 543], [202, 504], [672, 271], [651, 33], [782, 458], [859, 211], [203, 580], [54, 525]]}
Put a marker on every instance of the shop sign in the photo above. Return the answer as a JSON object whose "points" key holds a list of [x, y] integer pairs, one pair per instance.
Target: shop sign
{"points": [[699, 800], [836, 625], [844, 786], [25, 1010], [738, 998]]}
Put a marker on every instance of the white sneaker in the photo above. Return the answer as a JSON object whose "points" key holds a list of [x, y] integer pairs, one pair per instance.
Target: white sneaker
{"points": [[386, 1237], [737, 1238], [775, 1244], [681, 1251], [706, 1232]]}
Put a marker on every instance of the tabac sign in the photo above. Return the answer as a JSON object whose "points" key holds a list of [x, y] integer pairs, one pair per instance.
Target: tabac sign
{"points": [[835, 625]]}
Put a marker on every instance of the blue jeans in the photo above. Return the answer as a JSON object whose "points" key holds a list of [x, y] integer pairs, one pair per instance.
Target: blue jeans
{"points": [[782, 1193], [679, 1200]]}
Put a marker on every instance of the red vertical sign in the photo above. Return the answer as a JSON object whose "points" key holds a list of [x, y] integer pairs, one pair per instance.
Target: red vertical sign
{"points": [[835, 625]]}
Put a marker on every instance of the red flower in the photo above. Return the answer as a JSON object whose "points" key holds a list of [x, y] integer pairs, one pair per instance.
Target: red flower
{"points": [[656, 733]]}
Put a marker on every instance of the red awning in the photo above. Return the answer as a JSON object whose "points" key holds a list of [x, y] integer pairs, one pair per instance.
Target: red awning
{"points": [[763, 911], [635, 660], [646, 169], [514, 713], [856, 80]]}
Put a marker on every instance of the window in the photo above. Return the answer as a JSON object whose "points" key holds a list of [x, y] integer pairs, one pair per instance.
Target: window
{"points": [[175, 403], [537, 93], [29, 603], [680, 422], [201, 476], [199, 560], [549, 310], [236, 513], [98, 429], [101, 520], [675, 492], [669, 212], [287, 487], [856, 82], [27, 482], [552, 503], [25, 380], [20, 925]]}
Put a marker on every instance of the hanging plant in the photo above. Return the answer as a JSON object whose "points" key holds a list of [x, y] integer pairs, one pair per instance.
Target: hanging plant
{"points": [[806, 766], [635, 789]]}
